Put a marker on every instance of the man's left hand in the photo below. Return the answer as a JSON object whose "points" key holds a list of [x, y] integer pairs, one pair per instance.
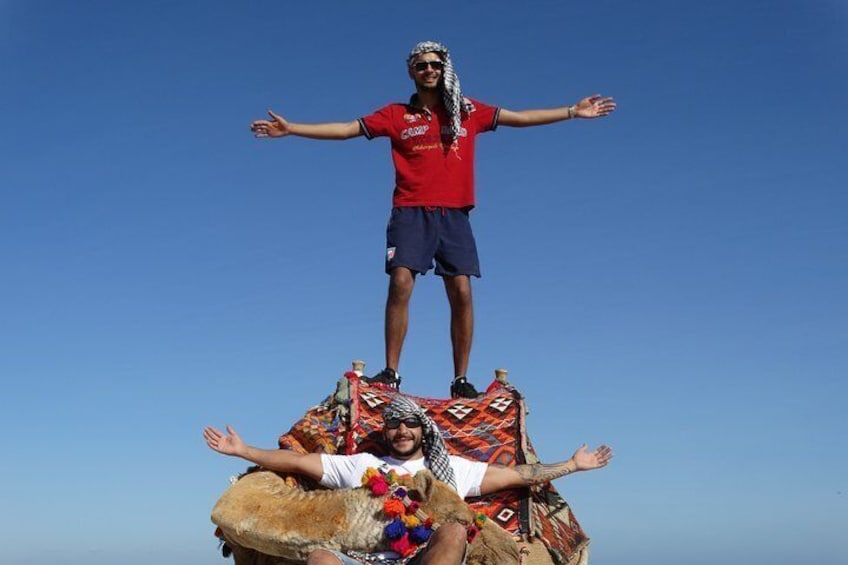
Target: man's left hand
{"points": [[585, 460], [594, 106]]}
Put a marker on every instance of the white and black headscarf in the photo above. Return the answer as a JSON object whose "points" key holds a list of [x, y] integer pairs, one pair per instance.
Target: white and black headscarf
{"points": [[451, 92], [433, 445]]}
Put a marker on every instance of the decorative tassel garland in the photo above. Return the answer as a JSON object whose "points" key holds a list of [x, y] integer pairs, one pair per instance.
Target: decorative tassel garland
{"points": [[410, 528], [407, 531]]}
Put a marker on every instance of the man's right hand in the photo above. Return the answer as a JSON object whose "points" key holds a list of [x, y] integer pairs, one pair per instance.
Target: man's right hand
{"points": [[282, 460], [277, 126], [222, 443]]}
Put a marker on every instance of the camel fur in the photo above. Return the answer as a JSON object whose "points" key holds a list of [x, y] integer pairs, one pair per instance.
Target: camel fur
{"points": [[263, 513]]}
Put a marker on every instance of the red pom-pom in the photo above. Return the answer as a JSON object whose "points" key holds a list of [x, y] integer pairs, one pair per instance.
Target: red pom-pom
{"points": [[379, 487], [413, 507], [402, 546], [378, 482]]}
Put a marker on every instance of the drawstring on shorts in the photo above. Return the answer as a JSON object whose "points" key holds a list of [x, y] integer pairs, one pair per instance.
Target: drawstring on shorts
{"points": [[436, 208]]}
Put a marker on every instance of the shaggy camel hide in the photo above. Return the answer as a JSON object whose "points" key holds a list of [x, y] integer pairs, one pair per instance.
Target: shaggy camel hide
{"points": [[262, 512]]}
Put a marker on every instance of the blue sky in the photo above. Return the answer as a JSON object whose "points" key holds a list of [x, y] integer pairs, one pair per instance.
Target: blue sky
{"points": [[670, 280]]}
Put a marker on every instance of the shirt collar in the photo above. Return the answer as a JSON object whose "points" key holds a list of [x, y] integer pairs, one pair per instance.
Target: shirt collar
{"points": [[416, 106], [400, 462]]}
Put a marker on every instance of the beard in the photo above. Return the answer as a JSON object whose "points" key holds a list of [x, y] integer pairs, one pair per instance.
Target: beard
{"points": [[438, 87], [403, 454]]}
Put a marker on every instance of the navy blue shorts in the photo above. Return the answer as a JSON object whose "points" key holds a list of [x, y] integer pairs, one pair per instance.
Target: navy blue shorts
{"points": [[416, 237]]}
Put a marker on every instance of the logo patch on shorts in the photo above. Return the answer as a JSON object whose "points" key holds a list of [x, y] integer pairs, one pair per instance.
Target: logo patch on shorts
{"points": [[390, 253]]}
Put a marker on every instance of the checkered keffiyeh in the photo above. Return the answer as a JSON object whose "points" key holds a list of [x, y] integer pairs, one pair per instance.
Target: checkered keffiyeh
{"points": [[434, 446], [451, 93]]}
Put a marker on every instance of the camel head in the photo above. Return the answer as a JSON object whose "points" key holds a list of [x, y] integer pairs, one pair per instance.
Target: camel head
{"points": [[492, 546]]}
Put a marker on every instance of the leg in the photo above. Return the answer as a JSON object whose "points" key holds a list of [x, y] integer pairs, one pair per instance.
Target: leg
{"points": [[446, 547], [401, 282], [456, 262], [462, 320]]}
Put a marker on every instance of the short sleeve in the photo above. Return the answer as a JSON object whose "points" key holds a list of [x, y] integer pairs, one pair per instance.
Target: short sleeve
{"points": [[345, 471], [485, 117], [378, 124], [469, 475]]}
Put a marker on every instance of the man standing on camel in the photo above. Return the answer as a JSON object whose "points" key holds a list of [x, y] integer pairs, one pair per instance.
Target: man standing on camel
{"points": [[432, 140]]}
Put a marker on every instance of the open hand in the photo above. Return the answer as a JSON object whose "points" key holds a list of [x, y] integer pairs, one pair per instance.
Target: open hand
{"points": [[222, 443], [595, 106], [277, 126], [586, 460]]}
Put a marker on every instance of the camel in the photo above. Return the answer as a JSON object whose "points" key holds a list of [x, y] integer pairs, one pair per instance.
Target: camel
{"points": [[263, 513]]}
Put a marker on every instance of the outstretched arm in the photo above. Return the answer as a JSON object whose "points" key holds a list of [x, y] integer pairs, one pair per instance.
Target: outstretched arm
{"points": [[500, 478], [278, 126], [281, 460], [594, 106]]}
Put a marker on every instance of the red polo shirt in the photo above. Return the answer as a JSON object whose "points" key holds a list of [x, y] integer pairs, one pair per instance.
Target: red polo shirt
{"points": [[429, 170]]}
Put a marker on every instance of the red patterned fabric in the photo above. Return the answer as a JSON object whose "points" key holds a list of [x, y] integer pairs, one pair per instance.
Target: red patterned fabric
{"points": [[489, 428]]}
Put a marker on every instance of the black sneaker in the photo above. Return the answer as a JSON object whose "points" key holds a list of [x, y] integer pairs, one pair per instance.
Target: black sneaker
{"points": [[387, 377], [461, 388]]}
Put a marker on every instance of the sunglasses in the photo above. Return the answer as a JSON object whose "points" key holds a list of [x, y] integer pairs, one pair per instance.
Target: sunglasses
{"points": [[411, 422], [424, 65]]}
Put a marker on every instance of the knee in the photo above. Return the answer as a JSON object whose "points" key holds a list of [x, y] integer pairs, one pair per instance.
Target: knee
{"points": [[322, 557], [451, 535], [400, 285], [459, 294]]}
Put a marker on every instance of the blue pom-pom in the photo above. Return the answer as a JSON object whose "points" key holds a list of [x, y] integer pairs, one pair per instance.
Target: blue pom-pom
{"points": [[395, 529], [400, 493], [420, 534]]}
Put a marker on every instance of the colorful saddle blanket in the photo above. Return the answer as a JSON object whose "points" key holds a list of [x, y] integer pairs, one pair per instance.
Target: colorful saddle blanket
{"points": [[490, 428]]}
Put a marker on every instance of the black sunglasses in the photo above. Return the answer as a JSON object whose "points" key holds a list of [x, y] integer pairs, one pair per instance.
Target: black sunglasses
{"points": [[423, 65], [411, 422]]}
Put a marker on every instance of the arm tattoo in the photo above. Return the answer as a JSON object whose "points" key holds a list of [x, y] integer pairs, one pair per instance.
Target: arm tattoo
{"points": [[539, 473]]}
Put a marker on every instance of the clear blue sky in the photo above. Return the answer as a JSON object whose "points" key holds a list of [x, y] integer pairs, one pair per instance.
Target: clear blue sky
{"points": [[671, 280]]}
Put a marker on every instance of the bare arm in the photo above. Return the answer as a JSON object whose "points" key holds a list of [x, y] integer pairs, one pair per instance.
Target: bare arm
{"points": [[281, 460], [278, 126], [500, 478], [590, 107]]}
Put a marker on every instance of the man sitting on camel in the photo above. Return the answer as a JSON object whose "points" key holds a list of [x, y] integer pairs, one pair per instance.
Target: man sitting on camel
{"points": [[414, 443]]}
